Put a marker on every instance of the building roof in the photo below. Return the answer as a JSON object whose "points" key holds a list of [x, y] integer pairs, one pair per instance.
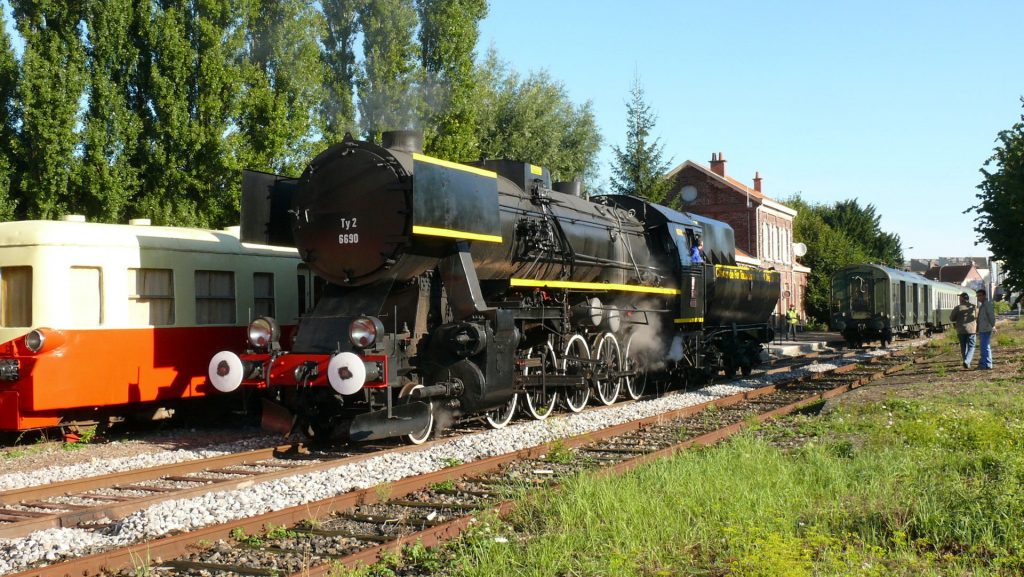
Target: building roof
{"points": [[954, 273], [732, 183]]}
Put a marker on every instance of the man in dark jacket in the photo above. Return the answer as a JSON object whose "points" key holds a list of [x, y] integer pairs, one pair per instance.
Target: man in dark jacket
{"points": [[965, 318]]}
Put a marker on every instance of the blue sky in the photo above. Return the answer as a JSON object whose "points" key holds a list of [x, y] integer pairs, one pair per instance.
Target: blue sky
{"points": [[897, 103]]}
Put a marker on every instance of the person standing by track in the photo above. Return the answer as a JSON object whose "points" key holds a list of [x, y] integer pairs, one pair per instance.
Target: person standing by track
{"points": [[965, 318], [986, 326], [792, 318]]}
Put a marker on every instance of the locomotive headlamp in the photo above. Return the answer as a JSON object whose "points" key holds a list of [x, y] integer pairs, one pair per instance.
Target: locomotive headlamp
{"points": [[264, 331], [364, 330], [35, 340]]}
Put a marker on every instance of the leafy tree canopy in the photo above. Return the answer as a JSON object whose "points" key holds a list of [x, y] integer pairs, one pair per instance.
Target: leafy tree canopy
{"points": [[1000, 205]]}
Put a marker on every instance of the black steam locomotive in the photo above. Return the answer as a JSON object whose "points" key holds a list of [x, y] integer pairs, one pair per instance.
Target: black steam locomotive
{"points": [[459, 291]]}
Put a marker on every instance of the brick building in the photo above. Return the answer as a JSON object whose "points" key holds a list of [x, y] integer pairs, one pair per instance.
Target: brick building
{"points": [[763, 227]]}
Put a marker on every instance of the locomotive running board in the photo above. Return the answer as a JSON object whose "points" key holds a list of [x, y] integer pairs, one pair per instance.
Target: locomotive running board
{"points": [[406, 419]]}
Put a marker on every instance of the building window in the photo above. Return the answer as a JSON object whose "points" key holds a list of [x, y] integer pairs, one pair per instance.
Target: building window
{"points": [[151, 296], [215, 297], [87, 304], [263, 294], [16, 296]]}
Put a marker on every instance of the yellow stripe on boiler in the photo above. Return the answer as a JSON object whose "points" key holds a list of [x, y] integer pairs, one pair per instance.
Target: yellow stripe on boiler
{"points": [[593, 286], [690, 320], [459, 234], [454, 165]]}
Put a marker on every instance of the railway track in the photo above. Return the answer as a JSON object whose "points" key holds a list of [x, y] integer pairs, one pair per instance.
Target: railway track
{"points": [[357, 526]]}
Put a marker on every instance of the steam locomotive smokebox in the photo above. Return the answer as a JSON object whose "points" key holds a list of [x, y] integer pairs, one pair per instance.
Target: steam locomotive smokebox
{"points": [[521, 173]]}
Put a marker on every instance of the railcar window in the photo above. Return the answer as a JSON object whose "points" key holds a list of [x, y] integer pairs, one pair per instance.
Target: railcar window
{"points": [[263, 294], [151, 296], [86, 296], [16, 296], [215, 297]]}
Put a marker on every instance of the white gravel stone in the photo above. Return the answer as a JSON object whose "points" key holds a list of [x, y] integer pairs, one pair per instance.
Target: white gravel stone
{"points": [[220, 507]]}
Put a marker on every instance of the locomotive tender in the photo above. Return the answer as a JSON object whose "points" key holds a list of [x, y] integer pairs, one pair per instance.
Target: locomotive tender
{"points": [[871, 302], [462, 291]]}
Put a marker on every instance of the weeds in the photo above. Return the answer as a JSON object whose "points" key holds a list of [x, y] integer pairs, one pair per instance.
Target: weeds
{"points": [[450, 462], [446, 485], [559, 453]]}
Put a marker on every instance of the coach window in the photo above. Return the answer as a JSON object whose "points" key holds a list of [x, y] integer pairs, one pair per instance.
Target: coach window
{"points": [[16, 296], [263, 294], [151, 296], [87, 308], [215, 297]]}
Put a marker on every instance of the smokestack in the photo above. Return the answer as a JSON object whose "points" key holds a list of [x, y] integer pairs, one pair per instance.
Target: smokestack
{"points": [[571, 187], [718, 164], [404, 140], [757, 181]]}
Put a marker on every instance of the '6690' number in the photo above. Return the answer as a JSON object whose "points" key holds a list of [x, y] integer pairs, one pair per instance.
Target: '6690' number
{"points": [[351, 238]]}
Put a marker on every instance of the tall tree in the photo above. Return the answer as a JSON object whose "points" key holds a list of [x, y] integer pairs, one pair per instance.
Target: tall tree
{"points": [[338, 109], [390, 79], [109, 175], [53, 81], [862, 225], [9, 118], [1000, 205], [190, 99], [639, 168], [448, 36], [282, 85], [533, 120]]}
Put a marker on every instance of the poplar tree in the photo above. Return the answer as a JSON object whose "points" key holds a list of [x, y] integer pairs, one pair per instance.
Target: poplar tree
{"points": [[8, 122], [283, 85], [337, 108], [109, 176], [388, 84], [639, 168], [52, 83], [192, 81], [448, 34]]}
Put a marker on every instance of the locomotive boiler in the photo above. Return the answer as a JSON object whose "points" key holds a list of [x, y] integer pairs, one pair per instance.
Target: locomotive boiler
{"points": [[459, 291]]}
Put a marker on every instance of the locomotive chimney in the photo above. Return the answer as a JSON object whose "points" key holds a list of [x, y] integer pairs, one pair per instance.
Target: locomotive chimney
{"points": [[718, 164], [404, 140], [757, 181], [571, 187]]}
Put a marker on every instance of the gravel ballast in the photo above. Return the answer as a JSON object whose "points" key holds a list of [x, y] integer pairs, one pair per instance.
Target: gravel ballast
{"points": [[189, 514]]}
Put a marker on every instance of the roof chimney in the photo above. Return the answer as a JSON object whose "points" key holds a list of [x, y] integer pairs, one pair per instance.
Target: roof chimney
{"points": [[718, 164], [757, 181]]}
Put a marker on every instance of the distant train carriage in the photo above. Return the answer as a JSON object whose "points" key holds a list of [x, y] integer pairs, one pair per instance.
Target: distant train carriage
{"points": [[101, 319], [876, 303]]}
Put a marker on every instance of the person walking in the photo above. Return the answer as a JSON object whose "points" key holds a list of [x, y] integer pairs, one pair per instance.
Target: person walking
{"points": [[792, 318], [986, 326], [964, 318]]}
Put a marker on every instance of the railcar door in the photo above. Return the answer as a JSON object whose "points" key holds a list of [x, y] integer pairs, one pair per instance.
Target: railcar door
{"points": [[903, 302], [917, 311], [927, 306]]}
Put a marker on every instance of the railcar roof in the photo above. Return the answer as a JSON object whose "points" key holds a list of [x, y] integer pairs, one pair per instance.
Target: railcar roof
{"points": [[94, 234], [898, 274]]}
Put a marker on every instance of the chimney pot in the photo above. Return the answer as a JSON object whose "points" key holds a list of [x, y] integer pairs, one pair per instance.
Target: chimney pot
{"points": [[718, 164], [757, 181]]}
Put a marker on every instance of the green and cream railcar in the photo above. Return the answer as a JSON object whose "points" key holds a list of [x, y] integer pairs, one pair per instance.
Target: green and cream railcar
{"points": [[96, 319]]}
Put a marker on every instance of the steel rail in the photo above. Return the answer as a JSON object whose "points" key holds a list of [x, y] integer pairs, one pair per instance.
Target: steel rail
{"points": [[145, 554]]}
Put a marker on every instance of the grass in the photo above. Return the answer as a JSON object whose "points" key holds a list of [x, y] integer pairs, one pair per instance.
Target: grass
{"points": [[926, 486]]}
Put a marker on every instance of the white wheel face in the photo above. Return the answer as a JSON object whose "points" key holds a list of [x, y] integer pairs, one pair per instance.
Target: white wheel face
{"points": [[609, 359], [424, 435], [225, 371], [636, 383], [498, 418], [539, 405], [577, 353]]}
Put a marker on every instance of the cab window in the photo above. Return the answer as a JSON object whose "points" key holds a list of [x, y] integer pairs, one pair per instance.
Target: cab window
{"points": [[16, 296]]}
